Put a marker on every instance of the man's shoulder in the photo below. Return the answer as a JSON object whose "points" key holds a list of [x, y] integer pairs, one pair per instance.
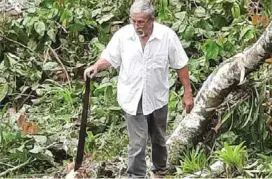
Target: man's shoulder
{"points": [[125, 30], [126, 27], [158, 24]]}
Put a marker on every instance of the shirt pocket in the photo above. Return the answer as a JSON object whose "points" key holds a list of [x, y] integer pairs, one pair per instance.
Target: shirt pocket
{"points": [[160, 60]]}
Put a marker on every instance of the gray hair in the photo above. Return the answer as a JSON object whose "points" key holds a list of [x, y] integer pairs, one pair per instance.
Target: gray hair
{"points": [[144, 6]]}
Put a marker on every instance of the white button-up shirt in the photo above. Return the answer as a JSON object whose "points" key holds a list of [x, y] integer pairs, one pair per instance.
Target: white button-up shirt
{"points": [[144, 73]]}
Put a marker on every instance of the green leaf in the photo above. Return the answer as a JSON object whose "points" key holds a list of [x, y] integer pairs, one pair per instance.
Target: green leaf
{"points": [[39, 27], [114, 108], [29, 21], [182, 28], [91, 24], [105, 18], [219, 21], [235, 10], [185, 44], [189, 33], [165, 3], [54, 12], [200, 12], [81, 38], [194, 79], [48, 3], [176, 25], [79, 12], [32, 44], [204, 24], [49, 153], [96, 12], [3, 88], [249, 35], [31, 10], [229, 47], [46, 156], [77, 27], [40, 139], [244, 31], [26, 20], [181, 15], [11, 60], [100, 46], [12, 57], [36, 149], [21, 148], [50, 66], [66, 16], [52, 35], [211, 49], [194, 64]]}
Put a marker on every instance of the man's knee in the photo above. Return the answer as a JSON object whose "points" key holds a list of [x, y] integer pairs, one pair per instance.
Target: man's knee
{"points": [[138, 143], [159, 142], [138, 136], [158, 138]]}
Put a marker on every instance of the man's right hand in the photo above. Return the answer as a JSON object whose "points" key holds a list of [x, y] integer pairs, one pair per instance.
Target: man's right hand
{"points": [[90, 72]]}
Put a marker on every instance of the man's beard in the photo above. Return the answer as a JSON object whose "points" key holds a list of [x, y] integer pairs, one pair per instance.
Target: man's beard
{"points": [[140, 33]]}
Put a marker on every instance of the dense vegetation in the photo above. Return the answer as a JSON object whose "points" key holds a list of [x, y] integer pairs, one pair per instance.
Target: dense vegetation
{"points": [[43, 54]]}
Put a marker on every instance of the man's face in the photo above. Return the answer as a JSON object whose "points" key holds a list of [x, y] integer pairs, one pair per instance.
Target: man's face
{"points": [[142, 23]]}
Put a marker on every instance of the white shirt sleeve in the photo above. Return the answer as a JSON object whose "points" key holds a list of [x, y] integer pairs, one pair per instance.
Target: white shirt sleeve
{"points": [[177, 56], [112, 51]]}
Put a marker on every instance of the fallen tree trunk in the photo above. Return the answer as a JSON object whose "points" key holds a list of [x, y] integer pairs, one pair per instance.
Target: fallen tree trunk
{"points": [[215, 89]]}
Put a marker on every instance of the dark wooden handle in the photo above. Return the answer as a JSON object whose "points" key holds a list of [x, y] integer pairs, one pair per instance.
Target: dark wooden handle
{"points": [[82, 132]]}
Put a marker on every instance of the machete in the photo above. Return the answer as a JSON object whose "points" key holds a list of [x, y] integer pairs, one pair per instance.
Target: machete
{"points": [[82, 132]]}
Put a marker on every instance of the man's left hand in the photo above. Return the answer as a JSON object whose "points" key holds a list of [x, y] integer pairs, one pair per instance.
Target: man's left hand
{"points": [[188, 101]]}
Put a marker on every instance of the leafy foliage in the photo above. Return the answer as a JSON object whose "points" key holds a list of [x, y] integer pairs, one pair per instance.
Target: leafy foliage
{"points": [[233, 157], [194, 161]]}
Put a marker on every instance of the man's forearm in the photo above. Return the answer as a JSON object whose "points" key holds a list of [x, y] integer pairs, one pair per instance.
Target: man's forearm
{"points": [[183, 75], [102, 64]]}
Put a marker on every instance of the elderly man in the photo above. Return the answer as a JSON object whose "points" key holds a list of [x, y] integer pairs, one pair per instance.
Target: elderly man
{"points": [[144, 50]]}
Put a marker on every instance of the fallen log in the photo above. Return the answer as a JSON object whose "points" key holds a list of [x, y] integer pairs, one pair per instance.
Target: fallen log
{"points": [[229, 75]]}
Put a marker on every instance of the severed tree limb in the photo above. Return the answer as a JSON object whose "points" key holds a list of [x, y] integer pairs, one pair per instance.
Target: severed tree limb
{"points": [[215, 89], [59, 61], [18, 43], [6, 164], [15, 168]]}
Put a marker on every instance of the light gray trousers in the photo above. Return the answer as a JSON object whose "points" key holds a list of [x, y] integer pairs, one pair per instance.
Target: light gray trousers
{"points": [[140, 127]]}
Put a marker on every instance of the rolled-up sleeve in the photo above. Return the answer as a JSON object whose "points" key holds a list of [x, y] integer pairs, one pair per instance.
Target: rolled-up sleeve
{"points": [[112, 51], [177, 55]]}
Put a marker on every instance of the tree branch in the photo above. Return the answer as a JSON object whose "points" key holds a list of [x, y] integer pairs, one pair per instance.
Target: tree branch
{"points": [[18, 43], [59, 61], [15, 168]]}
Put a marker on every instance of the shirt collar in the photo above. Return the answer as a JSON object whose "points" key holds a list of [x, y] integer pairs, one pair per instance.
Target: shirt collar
{"points": [[157, 33]]}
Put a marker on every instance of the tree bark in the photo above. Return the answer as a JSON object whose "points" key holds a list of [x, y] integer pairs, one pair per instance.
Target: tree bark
{"points": [[215, 89]]}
